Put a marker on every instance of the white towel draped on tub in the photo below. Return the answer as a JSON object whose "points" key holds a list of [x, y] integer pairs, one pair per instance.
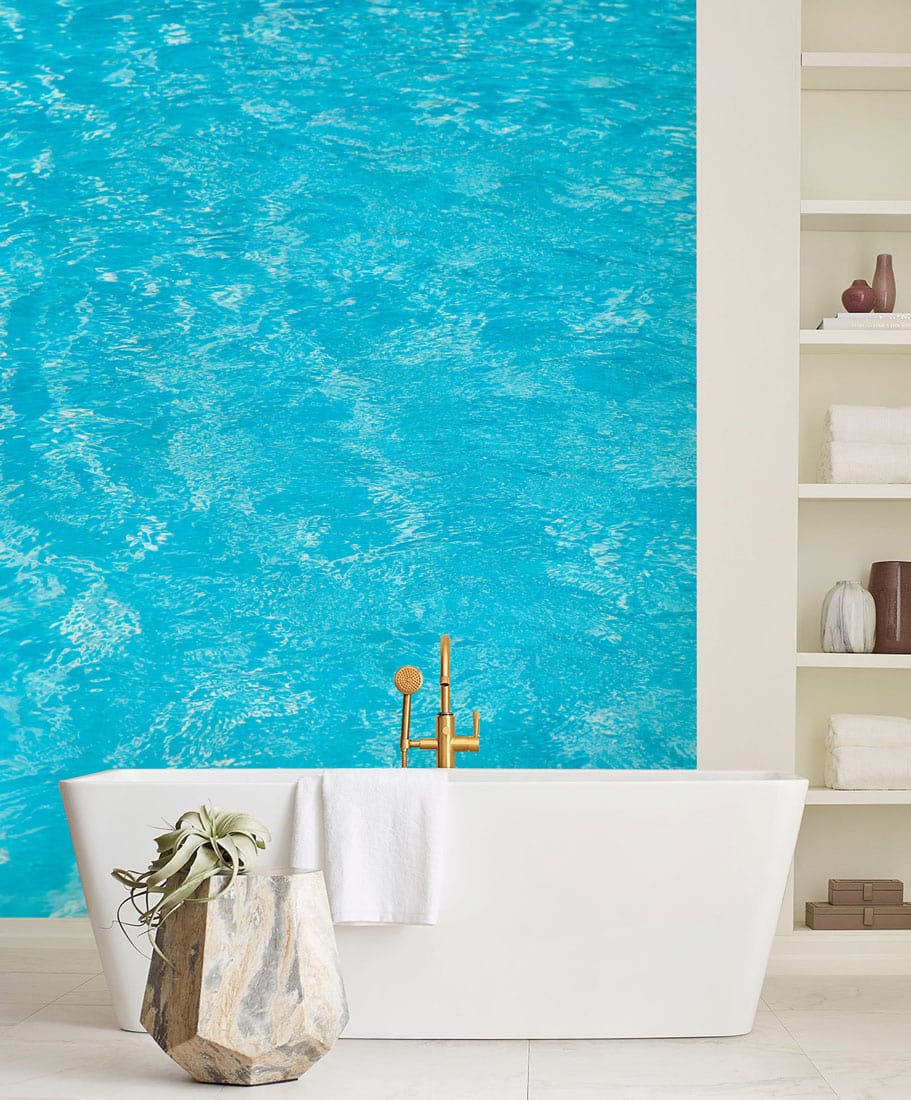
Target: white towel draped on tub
{"points": [[307, 842], [379, 837]]}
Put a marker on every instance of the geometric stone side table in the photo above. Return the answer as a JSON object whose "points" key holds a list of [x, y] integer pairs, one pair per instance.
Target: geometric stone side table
{"points": [[255, 993]]}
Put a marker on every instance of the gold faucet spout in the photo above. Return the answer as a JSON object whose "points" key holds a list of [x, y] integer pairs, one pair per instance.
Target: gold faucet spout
{"points": [[445, 703]]}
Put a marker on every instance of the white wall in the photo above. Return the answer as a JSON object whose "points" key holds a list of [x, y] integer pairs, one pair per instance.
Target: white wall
{"points": [[748, 191]]}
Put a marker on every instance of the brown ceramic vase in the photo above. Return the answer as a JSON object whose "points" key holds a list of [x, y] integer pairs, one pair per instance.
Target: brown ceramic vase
{"points": [[890, 586], [883, 284], [859, 297]]}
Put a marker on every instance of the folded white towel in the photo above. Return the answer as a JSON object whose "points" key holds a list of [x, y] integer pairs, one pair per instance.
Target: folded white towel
{"points": [[870, 463], [868, 731], [382, 833], [853, 768], [868, 424]]}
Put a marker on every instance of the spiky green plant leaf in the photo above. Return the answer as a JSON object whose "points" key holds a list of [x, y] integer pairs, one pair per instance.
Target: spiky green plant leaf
{"points": [[203, 843]]}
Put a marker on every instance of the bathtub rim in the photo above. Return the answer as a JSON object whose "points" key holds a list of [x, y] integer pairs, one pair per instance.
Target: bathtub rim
{"points": [[545, 776]]}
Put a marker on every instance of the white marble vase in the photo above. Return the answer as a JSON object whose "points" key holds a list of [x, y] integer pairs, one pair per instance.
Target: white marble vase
{"points": [[251, 992], [848, 619]]}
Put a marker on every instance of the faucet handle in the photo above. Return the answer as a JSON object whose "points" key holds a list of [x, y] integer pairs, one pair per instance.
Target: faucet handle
{"points": [[473, 743]]}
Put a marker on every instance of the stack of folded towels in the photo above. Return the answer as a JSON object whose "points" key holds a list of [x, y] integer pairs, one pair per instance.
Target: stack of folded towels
{"points": [[867, 444], [868, 752]]}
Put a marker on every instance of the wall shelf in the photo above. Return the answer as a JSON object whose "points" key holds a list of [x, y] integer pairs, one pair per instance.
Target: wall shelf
{"points": [[856, 215], [825, 796], [854, 660], [856, 71], [872, 951], [851, 341], [816, 491], [864, 936]]}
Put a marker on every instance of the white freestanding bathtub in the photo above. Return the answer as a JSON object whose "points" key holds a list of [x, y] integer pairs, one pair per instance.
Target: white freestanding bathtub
{"points": [[586, 904]]}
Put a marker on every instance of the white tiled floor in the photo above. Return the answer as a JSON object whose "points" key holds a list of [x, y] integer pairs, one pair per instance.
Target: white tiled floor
{"points": [[845, 1037]]}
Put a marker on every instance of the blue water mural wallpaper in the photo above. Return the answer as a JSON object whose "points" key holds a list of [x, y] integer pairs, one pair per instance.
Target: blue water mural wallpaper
{"points": [[328, 328]]}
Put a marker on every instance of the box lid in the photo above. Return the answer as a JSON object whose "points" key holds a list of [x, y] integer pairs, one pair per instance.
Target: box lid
{"points": [[848, 883]]}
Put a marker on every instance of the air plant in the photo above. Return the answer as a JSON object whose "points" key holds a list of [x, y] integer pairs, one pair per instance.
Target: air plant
{"points": [[204, 843]]}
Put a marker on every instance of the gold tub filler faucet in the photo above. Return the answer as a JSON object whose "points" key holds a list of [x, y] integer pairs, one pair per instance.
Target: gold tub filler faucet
{"points": [[408, 679]]}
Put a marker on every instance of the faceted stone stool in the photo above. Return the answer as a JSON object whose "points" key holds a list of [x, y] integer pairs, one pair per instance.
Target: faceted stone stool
{"points": [[254, 993]]}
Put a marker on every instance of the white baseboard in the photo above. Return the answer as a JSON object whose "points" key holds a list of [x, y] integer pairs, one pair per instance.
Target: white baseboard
{"points": [[802, 952], [805, 952]]}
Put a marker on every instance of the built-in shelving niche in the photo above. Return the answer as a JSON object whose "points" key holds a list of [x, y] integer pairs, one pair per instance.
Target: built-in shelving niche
{"points": [[856, 202]]}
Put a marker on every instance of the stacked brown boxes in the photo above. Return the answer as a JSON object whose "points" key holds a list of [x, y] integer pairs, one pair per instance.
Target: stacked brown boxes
{"points": [[856, 903]]}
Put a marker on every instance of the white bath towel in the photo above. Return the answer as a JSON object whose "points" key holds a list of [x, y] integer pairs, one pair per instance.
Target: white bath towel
{"points": [[868, 424], [379, 836], [868, 731], [307, 839], [865, 463], [854, 768]]}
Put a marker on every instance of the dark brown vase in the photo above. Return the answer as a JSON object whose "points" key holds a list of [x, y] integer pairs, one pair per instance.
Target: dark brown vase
{"points": [[883, 284], [859, 297], [890, 586]]}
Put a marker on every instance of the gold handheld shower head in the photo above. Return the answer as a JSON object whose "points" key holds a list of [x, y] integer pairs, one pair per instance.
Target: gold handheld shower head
{"points": [[408, 680]]}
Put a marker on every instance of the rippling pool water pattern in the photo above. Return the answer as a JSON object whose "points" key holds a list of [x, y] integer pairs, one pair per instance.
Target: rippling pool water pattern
{"points": [[327, 328]]}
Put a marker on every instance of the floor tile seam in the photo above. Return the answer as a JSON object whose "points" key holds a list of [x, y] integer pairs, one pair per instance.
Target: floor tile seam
{"points": [[528, 1069], [66, 1002], [70, 992], [53, 970], [809, 1057], [57, 1000], [25, 1019], [47, 1002], [835, 1091]]}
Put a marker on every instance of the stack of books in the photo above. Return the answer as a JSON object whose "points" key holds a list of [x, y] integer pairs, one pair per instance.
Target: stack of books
{"points": [[867, 320]]}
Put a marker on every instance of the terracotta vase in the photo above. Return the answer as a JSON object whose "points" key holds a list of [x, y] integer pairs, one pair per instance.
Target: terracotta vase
{"points": [[859, 297], [848, 619], [884, 284], [890, 584]]}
